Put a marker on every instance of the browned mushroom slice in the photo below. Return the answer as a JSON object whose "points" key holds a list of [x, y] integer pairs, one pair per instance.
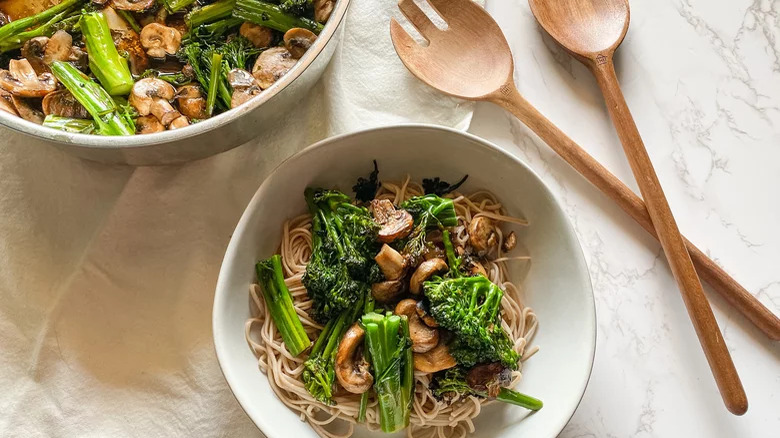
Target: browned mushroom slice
{"points": [[33, 51], [387, 291], [323, 9], [58, 48], [132, 5], [244, 86], [476, 268], [179, 122], [164, 111], [148, 125], [482, 235], [6, 102], [424, 338], [436, 360], [510, 242], [489, 378], [271, 65], [259, 36], [160, 41], [62, 103], [396, 224], [191, 102], [425, 316], [391, 263], [426, 270], [351, 367], [147, 91], [298, 40], [27, 111], [21, 80]]}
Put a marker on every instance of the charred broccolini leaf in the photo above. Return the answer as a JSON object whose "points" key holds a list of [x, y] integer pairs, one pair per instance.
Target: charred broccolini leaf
{"points": [[438, 187], [342, 265], [365, 189]]}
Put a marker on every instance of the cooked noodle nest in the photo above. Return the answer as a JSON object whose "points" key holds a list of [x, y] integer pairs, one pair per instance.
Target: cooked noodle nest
{"points": [[429, 418]]}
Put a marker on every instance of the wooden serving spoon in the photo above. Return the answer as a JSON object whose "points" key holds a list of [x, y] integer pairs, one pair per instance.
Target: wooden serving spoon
{"points": [[471, 59], [591, 30]]}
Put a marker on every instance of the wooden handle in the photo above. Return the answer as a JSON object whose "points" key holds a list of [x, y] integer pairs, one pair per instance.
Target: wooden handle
{"points": [[698, 308], [626, 199]]}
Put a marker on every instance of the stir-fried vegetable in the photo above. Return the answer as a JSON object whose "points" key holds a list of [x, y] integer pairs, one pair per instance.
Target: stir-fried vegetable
{"points": [[429, 212], [453, 382], [67, 124], [388, 342], [280, 306], [109, 117], [104, 60], [273, 16], [17, 32]]}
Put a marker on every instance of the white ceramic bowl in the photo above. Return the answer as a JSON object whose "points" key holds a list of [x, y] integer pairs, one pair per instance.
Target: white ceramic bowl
{"points": [[556, 284]]}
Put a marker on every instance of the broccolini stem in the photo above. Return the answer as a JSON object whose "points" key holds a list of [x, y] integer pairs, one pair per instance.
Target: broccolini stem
{"points": [[407, 373], [128, 17], [280, 306], [109, 68], [211, 13], [176, 5], [79, 126], [63, 20], [507, 395], [270, 15], [94, 98], [214, 80], [26, 23], [452, 260]]}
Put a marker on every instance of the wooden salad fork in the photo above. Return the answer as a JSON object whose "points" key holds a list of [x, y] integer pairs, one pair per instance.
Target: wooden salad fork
{"points": [[591, 30], [472, 60]]}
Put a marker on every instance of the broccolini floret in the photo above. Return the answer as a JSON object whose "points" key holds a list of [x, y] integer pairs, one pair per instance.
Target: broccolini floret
{"points": [[430, 212]]}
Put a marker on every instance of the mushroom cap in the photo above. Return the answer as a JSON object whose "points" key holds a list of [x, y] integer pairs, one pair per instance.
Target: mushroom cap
{"points": [[160, 40], [62, 103], [396, 224], [489, 378], [424, 338], [148, 125], [146, 91], [387, 291], [425, 316], [164, 111], [323, 9], [391, 263], [27, 111], [132, 5], [244, 86], [259, 36], [271, 65], [191, 102], [21, 80], [33, 51], [298, 40], [435, 360], [6, 103], [425, 271], [482, 235], [351, 372], [58, 48]]}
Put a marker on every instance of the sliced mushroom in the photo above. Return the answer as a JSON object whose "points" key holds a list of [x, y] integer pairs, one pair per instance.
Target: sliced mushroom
{"points": [[4, 19], [510, 242], [33, 51], [298, 40], [391, 263], [6, 102], [396, 224], [62, 103], [476, 268], [259, 36], [489, 378], [433, 361], [191, 102], [244, 86], [133, 5], [164, 111], [159, 40], [425, 316], [27, 111], [424, 338], [149, 90], [387, 291], [351, 367], [21, 80], [323, 9], [271, 65], [426, 270], [179, 122], [482, 235], [58, 48], [148, 125]]}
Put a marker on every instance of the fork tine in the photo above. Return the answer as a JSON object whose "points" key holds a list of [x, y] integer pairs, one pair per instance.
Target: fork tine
{"points": [[417, 17], [446, 8], [401, 38]]}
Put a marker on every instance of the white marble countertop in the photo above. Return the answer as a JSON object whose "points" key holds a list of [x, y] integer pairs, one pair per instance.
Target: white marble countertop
{"points": [[703, 81]]}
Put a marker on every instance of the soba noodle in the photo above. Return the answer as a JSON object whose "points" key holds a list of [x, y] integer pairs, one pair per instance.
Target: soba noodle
{"points": [[430, 418]]}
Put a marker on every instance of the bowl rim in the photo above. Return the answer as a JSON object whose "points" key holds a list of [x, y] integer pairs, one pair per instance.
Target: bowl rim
{"points": [[18, 124], [219, 297]]}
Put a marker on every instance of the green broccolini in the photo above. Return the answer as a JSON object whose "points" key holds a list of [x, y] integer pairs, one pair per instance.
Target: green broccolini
{"points": [[342, 265], [453, 381], [109, 68], [14, 34], [272, 16], [430, 212]]}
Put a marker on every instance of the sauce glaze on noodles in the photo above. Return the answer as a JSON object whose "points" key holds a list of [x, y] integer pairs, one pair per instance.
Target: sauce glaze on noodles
{"points": [[430, 418]]}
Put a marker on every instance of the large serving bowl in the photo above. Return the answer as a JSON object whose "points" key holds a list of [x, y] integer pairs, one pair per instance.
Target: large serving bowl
{"points": [[209, 137], [556, 283]]}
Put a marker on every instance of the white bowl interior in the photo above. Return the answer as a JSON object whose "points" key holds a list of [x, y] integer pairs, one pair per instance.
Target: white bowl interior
{"points": [[556, 283]]}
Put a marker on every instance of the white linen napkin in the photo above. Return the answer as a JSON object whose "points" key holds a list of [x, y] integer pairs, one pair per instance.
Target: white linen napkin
{"points": [[107, 273]]}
